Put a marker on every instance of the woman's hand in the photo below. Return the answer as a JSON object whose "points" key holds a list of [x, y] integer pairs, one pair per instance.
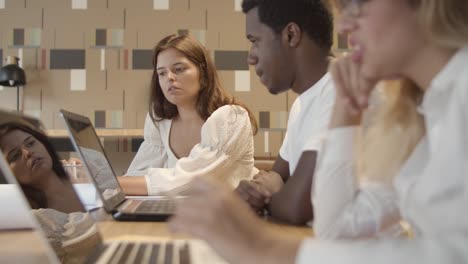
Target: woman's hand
{"points": [[352, 91], [216, 214]]}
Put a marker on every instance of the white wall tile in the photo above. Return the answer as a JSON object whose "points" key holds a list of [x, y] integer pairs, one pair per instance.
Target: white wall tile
{"points": [[161, 4], [238, 5], [103, 59], [20, 56], [266, 137], [79, 4], [78, 80], [242, 81]]}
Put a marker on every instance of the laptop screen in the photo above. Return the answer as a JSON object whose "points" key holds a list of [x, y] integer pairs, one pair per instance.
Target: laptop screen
{"points": [[29, 162], [89, 147]]}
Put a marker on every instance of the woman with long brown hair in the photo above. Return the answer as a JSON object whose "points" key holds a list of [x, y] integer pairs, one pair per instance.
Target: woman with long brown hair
{"points": [[194, 127]]}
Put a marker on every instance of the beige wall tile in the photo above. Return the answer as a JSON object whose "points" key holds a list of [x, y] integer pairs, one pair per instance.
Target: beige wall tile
{"points": [[224, 5], [136, 86], [147, 40], [30, 61], [14, 4], [83, 20], [8, 98], [179, 5], [227, 80], [131, 38], [141, 117], [130, 119], [147, 4], [291, 98], [20, 18], [31, 98], [226, 30], [97, 4], [148, 18], [70, 39], [112, 60], [63, 4]]}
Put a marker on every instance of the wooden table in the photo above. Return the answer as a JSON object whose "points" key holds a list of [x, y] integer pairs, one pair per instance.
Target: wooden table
{"points": [[24, 246]]}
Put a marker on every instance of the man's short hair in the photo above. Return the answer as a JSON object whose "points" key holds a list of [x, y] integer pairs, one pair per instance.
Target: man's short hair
{"points": [[312, 16]]}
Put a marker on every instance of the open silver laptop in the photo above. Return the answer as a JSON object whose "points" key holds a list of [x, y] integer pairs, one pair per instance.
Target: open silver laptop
{"points": [[89, 147], [88, 246]]}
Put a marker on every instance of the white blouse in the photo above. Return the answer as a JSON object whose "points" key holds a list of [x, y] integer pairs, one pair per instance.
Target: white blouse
{"points": [[226, 151], [431, 190]]}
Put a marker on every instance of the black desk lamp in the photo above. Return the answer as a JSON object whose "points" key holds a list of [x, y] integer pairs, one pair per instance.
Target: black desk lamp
{"points": [[11, 75]]}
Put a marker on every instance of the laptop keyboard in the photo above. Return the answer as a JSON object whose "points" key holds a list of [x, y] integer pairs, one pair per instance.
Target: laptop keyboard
{"points": [[163, 252], [156, 206]]}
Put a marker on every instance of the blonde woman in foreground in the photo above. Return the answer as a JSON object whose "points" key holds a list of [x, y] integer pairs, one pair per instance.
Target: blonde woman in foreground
{"points": [[417, 141]]}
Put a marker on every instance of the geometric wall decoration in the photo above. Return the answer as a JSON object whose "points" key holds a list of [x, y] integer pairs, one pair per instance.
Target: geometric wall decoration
{"points": [[142, 59], [18, 37], [264, 119], [43, 59], [273, 120], [111, 38], [114, 119], [125, 59], [242, 81], [100, 119], [278, 119], [62, 59], [238, 5], [30, 37], [116, 37], [77, 80], [266, 137], [231, 60], [183, 32], [200, 35], [79, 4], [33, 37], [124, 144], [101, 37], [20, 57], [103, 59], [104, 49], [161, 4]]}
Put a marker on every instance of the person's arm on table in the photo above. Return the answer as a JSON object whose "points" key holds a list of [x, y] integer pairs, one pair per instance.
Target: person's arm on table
{"points": [[134, 185], [292, 203]]}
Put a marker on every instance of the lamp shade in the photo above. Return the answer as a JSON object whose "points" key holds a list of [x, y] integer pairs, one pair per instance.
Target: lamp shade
{"points": [[12, 75]]}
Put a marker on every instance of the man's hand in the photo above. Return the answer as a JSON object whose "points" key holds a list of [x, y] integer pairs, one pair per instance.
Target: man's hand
{"points": [[269, 180], [254, 194]]}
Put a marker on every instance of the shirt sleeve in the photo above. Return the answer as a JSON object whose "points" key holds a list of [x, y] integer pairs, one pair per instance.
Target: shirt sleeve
{"points": [[151, 153], [226, 139], [342, 207]]}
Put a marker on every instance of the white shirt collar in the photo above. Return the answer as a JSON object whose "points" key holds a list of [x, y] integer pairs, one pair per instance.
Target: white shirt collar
{"points": [[316, 89], [443, 80]]}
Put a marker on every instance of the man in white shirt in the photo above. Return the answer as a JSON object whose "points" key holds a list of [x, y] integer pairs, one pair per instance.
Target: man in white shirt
{"points": [[290, 50]]}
